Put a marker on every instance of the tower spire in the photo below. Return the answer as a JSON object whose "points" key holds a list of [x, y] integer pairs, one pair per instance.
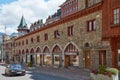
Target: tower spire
{"points": [[22, 28]]}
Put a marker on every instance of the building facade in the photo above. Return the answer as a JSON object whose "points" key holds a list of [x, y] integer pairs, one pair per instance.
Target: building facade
{"points": [[111, 30], [7, 49], [73, 40]]}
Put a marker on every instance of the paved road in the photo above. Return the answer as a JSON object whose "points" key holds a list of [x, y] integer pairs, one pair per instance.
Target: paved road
{"points": [[29, 76]]}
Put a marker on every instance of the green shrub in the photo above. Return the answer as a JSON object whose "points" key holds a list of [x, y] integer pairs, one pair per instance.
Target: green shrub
{"points": [[30, 64], [102, 69]]}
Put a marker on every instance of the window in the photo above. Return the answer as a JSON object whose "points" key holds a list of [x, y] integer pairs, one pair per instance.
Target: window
{"points": [[91, 25], [116, 16], [90, 2], [46, 36], [56, 34], [22, 42], [38, 39], [26, 41], [19, 43], [70, 30], [31, 40]]}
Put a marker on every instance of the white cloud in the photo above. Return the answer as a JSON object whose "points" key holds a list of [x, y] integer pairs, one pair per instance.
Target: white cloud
{"points": [[10, 14]]}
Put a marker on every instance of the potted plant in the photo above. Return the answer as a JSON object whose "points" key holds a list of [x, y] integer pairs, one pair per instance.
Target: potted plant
{"points": [[104, 73]]}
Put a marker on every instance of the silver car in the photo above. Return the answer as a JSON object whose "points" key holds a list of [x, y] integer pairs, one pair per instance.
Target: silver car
{"points": [[14, 69]]}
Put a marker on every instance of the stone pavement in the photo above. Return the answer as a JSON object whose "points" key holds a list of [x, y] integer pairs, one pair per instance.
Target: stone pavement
{"points": [[70, 73]]}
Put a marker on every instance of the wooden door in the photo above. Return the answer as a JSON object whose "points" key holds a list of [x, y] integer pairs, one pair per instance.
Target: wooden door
{"points": [[87, 59], [67, 60]]}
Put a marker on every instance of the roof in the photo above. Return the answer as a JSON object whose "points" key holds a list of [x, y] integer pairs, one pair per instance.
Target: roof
{"points": [[22, 23]]}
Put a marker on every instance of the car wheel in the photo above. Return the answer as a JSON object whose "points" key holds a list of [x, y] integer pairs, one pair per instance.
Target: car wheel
{"points": [[23, 74], [6, 74]]}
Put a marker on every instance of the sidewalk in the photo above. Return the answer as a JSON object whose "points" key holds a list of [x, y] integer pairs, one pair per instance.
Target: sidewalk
{"points": [[70, 73]]}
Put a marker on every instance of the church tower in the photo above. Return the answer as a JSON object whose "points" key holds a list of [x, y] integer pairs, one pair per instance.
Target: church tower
{"points": [[22, 28]]}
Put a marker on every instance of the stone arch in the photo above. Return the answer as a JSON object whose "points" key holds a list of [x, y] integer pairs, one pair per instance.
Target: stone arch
{"points": [[32, 50], [27, 51], [87, 44], [46, 49], [38, 50], [56, 49], [23, 52], [71, 53], [19, 51], [71, 47]]}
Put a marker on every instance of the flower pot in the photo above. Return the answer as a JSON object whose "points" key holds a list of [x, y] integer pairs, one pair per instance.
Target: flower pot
{"points": [[103, 77]]}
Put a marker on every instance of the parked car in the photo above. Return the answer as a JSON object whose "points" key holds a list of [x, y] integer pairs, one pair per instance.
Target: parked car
{"points": [[14, 69]]}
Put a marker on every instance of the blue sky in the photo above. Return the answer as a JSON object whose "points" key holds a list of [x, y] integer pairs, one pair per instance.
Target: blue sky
{"points": [[11, 12], [9, 1], [6, 1]]}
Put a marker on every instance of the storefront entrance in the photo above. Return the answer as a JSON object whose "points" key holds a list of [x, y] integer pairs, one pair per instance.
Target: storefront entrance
{"points": [[67, 60], [71, 56]]}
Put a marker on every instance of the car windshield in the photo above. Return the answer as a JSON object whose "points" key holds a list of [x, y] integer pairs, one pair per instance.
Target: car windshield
{"points": [[15, 66]]}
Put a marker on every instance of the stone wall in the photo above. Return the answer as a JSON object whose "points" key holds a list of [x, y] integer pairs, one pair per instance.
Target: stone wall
{"points": [[79, 38]]}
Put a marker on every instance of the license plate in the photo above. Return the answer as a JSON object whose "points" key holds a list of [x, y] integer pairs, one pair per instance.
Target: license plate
{"points": [[19, 72]]}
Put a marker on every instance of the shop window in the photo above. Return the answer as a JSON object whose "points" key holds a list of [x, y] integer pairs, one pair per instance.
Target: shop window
{"points": [[91, 25], [47, 59], [74, 60], [116, 16], [70, 30], [56, 59]]}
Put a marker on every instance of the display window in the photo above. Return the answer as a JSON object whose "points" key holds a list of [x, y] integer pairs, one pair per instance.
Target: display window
{"points": [[38, 59], [74, 60], [47, 59], [56, 59]]}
